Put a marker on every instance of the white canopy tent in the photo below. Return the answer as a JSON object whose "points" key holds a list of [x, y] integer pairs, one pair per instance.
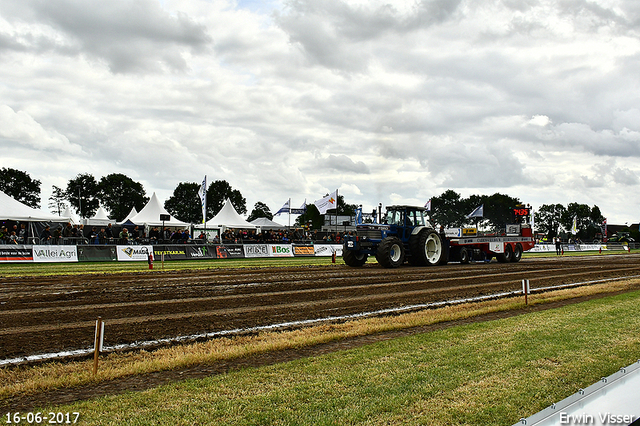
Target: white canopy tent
{"points": [[131, 214], [14, 210], [73, 218], [100, 218], [11, 209], [227, 217], [264, 223], [150, 215]]}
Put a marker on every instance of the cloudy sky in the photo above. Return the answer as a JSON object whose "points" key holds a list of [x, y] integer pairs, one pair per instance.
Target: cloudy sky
{"points": [[390, 101]]}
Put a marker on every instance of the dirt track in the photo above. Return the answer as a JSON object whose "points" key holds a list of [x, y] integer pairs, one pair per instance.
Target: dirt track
{"points": [[42, 315]]}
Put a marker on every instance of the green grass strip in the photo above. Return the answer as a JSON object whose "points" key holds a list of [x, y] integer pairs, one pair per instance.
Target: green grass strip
{"points": [[81, 268], [490, 373]]}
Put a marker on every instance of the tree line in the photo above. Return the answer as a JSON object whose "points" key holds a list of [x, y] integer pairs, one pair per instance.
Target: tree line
{"points": [[451, 210], [118, 193]]}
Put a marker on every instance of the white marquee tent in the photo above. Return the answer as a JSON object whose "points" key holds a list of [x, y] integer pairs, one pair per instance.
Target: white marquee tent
{"points": [[227, 217], [100, 218], [11, 209], [150, 215], [73, 218], [264, 223], [131, 214]]}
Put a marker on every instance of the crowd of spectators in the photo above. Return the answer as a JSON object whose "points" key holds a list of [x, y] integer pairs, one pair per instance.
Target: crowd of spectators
{"points": [[62, 234]]}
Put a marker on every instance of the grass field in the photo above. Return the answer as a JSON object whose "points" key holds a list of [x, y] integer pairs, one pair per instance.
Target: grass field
{"points": [[43, 269], [490, 373], [481, 374]]}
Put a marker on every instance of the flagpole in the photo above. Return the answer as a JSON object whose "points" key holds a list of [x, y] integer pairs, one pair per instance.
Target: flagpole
{"points": [[337, 213], [289, 213]]}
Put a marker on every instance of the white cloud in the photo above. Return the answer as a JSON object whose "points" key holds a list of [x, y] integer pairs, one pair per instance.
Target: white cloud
{"points": [[19, 128], [392, 101]]}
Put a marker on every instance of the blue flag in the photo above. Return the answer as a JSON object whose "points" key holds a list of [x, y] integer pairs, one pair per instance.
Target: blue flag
{"points": [[478, 212]]}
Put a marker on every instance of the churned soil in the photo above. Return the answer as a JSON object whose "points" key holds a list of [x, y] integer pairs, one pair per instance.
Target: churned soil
{"points": [[53, 314]]}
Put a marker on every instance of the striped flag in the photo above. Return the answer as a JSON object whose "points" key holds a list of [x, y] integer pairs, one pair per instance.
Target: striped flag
{"points": [[202, 192], [286, 208]]}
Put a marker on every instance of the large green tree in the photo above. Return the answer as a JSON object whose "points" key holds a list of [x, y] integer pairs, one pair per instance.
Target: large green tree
{"points": [[448, 210], [82, 193], [185, 204], [260, 209], [498, 209], [20, 186], [311, 217], [548, 218], [118, 193], [218, 192]]}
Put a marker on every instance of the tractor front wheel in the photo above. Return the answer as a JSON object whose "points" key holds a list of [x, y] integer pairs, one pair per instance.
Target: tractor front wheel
{"points": [[354, 258], [390, 253]]}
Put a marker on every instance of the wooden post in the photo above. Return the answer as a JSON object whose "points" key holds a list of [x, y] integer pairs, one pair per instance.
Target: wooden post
{"points": [[525, 290], [99, 338]]}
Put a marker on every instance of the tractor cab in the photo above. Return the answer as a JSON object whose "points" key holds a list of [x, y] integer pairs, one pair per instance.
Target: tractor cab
{"points": [[402, 220]]}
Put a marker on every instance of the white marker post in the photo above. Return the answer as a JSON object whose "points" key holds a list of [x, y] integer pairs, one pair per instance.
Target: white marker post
{"points": [[98, 343]]}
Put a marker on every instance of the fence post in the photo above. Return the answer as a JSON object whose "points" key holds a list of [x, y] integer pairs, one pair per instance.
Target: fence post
{"points": [[526, 290], [98, 341]]}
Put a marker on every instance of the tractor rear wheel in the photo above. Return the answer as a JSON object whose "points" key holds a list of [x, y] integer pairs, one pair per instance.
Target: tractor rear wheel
{"points": [[390, 252], [354, 258], [426, 248]]}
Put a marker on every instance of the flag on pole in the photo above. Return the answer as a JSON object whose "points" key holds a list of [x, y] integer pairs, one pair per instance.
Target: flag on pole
{"points": [[574, 228], [202, 192], [286, 208], [428, 206], [327, 203], [301, 210], [478, 212]]}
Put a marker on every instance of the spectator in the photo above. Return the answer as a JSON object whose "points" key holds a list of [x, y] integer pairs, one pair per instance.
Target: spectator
{"points": [[57, 235], [94, 236], [13, 238], [154, 235], [67, 232], [109, 234], [124, 236], [22, 235], [45, 237], [102, 236], [135, 235]]}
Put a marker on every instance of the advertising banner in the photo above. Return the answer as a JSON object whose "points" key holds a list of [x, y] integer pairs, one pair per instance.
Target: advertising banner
{"points": [[256, 250], [133, 253], [304, 251], [231, 251], [200, 252], [16, 254], [169, 252], [328, 249], [280, 250], [97, 253], [55, 253]]}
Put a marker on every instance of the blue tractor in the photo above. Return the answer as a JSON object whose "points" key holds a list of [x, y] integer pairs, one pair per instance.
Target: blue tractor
{"points": [[404, 235]]}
